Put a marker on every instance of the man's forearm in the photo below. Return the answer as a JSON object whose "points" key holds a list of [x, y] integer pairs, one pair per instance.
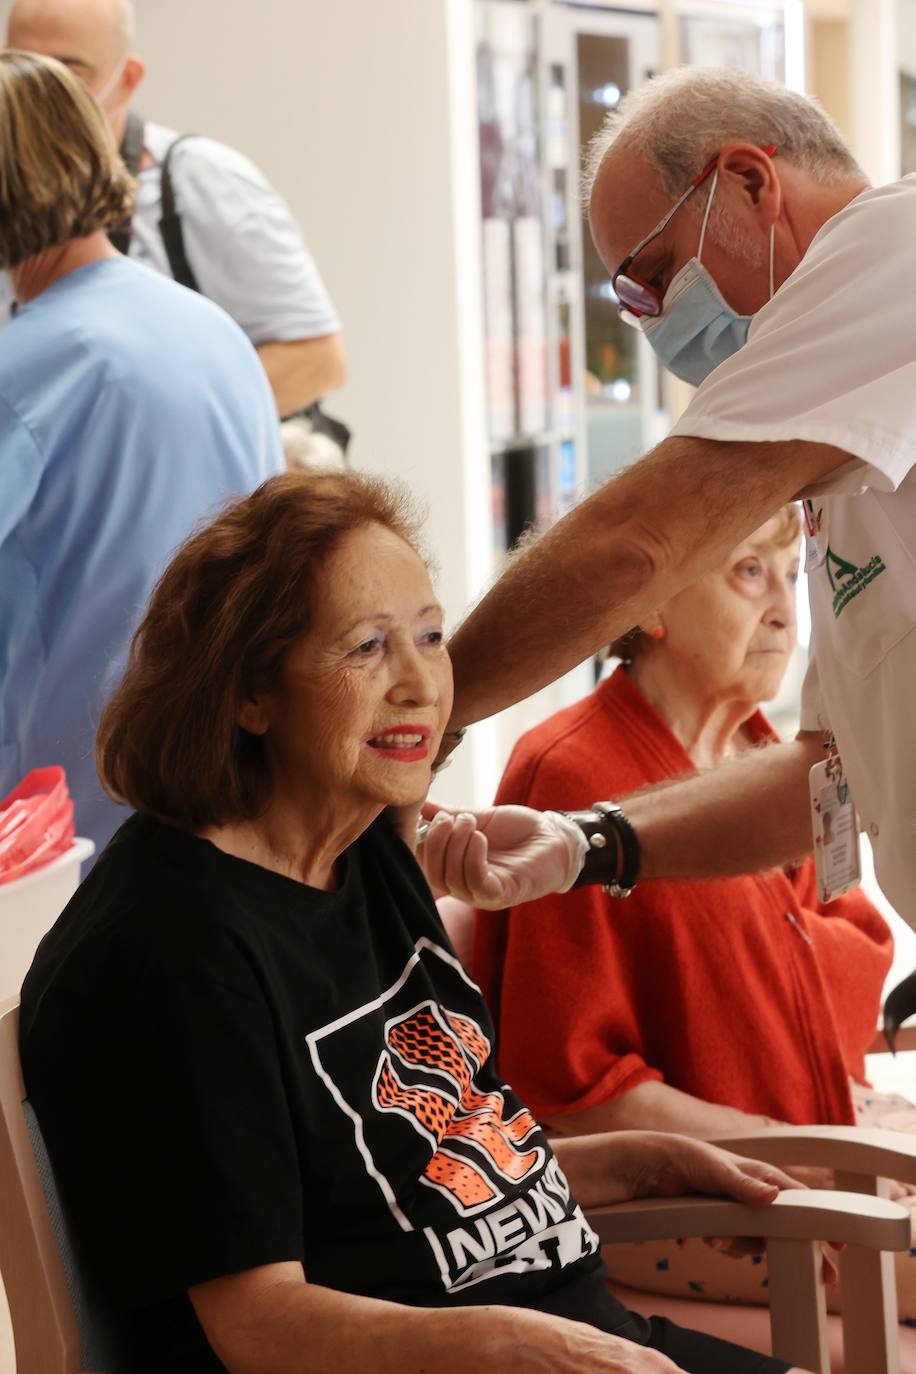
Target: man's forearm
{"points": [[631, 545], [747, 815], [303, 370]]}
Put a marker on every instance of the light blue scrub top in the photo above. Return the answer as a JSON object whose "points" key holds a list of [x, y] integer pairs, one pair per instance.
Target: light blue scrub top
{"points": [[130, 409]]}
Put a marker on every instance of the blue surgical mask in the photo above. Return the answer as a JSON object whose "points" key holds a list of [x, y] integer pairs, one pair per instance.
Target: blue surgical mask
{"points": [[697, 329]]}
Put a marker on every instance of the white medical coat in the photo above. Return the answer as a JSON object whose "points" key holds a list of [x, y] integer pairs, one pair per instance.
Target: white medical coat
{"points": [[832, 359]]}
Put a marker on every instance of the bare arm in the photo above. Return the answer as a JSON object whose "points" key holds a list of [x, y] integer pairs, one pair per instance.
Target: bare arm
{"points": [[303, 370], [271, 1321], [634, 543], [654, 1106], [621, 1165], [746, 815]]}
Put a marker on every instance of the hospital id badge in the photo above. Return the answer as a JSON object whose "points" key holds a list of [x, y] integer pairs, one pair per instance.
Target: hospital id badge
{"points": [[815, 552], [835, 827]]}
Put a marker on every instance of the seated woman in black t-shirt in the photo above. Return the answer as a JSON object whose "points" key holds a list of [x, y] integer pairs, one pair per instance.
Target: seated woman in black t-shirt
{"points": [[265, 1080]]}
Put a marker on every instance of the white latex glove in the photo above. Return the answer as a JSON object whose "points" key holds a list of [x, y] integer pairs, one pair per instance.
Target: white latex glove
{"points": [[499, 856]]}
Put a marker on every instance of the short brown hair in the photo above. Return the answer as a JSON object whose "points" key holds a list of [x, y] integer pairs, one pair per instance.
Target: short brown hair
{"points": [[628, 645], [60, 173], [230, 605]]}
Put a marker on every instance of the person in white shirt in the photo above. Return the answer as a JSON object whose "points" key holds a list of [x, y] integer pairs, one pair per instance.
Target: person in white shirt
{"points": [[242, 244], [726, 209]]}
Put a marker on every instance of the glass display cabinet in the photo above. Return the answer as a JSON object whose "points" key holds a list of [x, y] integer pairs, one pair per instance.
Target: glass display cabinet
{"points": [[572, 393]]}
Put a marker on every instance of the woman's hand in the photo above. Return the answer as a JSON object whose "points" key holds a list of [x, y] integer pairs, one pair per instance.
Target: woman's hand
{"points": [[499, 856], [670, 1165], [709, 1169]]}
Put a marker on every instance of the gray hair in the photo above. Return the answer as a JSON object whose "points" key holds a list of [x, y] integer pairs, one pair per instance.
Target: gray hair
{"points": [[681, 119]]}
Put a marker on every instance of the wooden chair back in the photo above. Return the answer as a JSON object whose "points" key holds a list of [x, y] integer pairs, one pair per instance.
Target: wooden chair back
{"points": [[45, 1329]]}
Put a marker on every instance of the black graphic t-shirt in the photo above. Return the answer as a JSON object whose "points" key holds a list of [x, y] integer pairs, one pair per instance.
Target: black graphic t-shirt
{"points": [[232, 1069]]}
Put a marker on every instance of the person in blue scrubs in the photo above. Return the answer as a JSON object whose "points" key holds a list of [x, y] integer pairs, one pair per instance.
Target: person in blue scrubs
{"points": [[131, 409]]}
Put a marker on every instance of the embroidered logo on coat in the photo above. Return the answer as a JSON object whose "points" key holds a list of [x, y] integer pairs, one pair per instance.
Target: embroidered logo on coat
{"points": [[847, 580]]}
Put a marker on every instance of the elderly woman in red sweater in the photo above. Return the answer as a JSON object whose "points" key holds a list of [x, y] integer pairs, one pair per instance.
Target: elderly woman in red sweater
{"points": [[700, 1007]]}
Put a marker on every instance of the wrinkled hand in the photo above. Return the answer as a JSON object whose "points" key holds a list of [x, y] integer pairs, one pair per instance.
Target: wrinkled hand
{"points": [[499, 856], [694, 1166], [670, 1165]]}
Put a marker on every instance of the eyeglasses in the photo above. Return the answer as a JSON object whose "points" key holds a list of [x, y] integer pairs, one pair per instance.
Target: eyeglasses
{"points": [[636, 296]]}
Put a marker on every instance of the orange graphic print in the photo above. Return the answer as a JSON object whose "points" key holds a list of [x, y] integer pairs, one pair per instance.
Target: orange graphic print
{"points": [[431, 1109], [461, 1179], [477, 1045], [449, 1109]]}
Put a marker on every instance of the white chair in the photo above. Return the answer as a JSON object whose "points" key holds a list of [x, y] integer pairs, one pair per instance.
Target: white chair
{"points": [[29, 906]]}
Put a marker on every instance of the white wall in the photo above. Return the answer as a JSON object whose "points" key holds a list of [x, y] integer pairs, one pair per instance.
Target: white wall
{"points": [[875, 105], [906, 35]]}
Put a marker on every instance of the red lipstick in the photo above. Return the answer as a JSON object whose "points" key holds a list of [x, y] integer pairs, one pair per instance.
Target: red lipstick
{"points": [[405, 743]]}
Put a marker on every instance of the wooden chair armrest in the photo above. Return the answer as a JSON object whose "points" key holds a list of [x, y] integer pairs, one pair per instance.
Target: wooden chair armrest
{"points": [[802, 1214], [904, 1040], [847, 1149]]}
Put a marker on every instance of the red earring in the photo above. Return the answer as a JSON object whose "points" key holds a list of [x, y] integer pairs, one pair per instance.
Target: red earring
{"points": [[658, 632]]}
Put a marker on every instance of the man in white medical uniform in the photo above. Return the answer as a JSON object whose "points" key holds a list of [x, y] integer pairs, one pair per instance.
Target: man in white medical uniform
{"points": [[243, 247], [743, 238]]}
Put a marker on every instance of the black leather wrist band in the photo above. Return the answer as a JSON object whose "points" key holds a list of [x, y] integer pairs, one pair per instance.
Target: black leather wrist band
{"points": [[602, 858], [628, 875], [613, 849]]}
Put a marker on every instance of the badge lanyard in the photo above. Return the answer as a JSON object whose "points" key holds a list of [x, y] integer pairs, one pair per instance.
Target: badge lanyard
{"points": [[834, 825]]}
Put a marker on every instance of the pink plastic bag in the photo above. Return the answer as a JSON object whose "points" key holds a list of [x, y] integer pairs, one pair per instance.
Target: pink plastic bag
{"points": [[36, 823]]}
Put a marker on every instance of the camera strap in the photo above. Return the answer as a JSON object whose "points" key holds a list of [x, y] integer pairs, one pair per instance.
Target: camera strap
{"points": [[170, 224], [131, 151], [170, 221]]}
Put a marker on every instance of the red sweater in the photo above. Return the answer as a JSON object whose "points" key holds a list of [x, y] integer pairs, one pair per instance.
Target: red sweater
{"points": [[743, 991]]}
